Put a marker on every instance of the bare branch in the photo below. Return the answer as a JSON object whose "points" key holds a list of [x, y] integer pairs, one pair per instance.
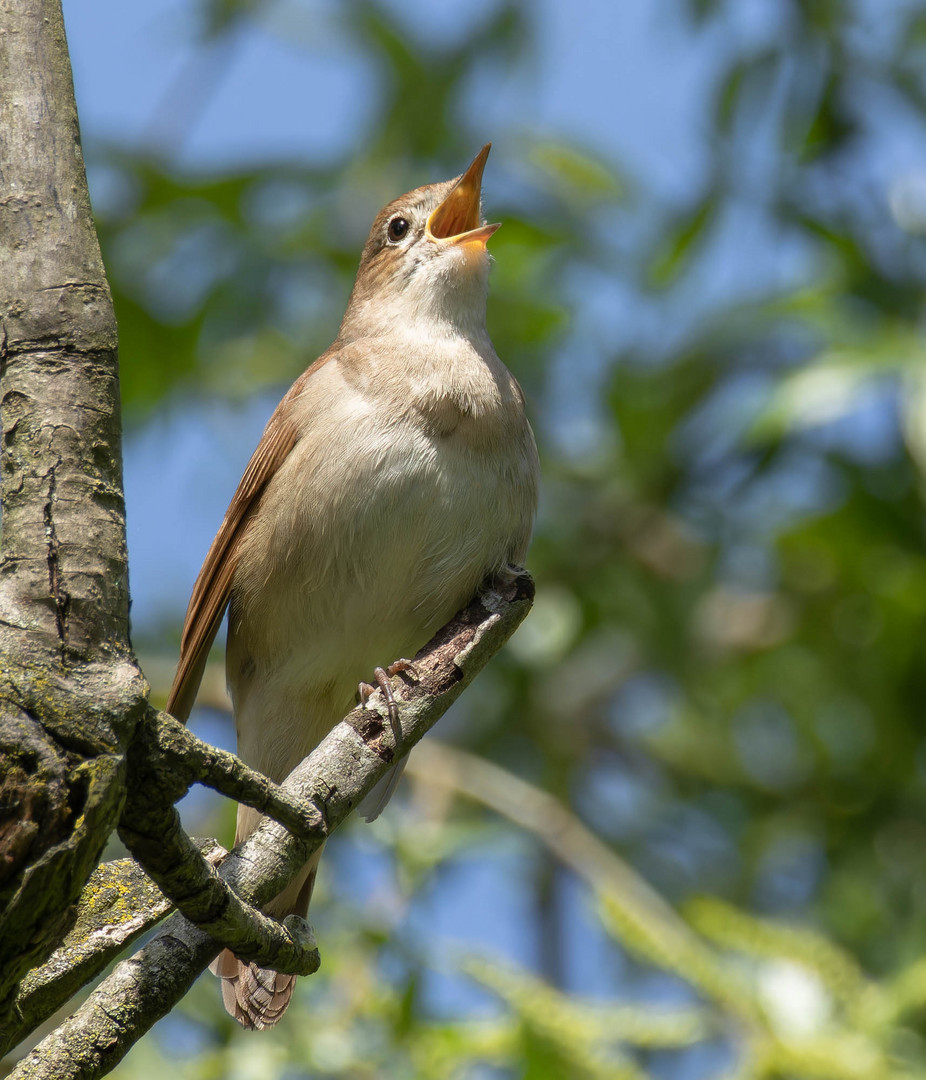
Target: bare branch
{"points": [[198, 762], [150, 828], [191, 883], [118, 905]]}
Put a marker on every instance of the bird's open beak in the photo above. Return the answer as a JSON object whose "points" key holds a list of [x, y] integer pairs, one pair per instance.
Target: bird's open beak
{"points": [[456, 220]]}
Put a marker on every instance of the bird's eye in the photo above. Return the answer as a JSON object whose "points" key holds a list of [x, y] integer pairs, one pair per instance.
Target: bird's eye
{"points": [[398, 227]]}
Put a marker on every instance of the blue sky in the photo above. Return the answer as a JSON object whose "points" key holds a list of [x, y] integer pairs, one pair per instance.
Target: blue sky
{"points": [[622, 78]]}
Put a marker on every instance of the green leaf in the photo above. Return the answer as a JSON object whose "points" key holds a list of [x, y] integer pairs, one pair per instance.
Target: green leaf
{"points": [[683, 239], [577, 175]]}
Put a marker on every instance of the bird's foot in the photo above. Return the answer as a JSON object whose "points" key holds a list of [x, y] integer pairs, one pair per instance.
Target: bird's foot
{"points": [[382, 677]]}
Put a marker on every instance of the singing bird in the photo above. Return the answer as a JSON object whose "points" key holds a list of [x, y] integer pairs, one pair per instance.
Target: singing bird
{"points": [[396, 476]]}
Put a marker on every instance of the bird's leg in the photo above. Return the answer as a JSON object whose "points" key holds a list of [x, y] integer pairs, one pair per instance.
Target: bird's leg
{"points": [[382, 677]]}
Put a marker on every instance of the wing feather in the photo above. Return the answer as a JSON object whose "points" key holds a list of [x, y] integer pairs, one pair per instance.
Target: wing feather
{"points": [[213, 585]]}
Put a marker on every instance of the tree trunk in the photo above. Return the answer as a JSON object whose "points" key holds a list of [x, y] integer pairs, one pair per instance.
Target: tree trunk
{"points": [[70, 690]]}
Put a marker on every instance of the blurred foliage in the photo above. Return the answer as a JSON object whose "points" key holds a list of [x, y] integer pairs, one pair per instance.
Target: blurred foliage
{"points": [[724, 676]]}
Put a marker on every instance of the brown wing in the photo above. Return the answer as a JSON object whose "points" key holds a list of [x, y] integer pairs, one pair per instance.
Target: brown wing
{"points": [[213, 586]]}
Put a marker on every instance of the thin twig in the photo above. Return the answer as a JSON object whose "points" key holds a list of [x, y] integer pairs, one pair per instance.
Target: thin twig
{"points": [[201, 763], [150, 828]]}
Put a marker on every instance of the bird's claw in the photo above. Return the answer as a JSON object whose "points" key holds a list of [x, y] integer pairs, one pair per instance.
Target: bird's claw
{"points": [[382, 677]]}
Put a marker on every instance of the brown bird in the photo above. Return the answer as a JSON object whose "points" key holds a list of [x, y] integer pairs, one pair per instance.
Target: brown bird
{"points": [[397, 475]]}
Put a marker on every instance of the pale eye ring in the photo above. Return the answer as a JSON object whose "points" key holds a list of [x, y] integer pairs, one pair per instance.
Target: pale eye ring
{"points": [[397, 229]]}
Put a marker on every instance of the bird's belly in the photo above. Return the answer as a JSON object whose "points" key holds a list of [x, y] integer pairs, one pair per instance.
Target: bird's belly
{"points": [[384, 557]]}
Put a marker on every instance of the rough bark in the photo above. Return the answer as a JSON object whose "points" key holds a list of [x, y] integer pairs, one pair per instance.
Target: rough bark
{"points": [[70, 691]]}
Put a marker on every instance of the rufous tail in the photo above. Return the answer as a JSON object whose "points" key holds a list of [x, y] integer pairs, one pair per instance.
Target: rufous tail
{"points": [[257, 997]]}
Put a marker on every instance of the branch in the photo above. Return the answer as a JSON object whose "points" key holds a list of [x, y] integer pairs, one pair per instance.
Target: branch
{"points": [[120, 901], [118, 905], [333, 780], [150, 828], [196, 762], [201, 895]]}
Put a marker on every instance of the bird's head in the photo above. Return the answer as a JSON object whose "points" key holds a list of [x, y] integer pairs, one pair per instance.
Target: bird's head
{"points": [[425, 264]]}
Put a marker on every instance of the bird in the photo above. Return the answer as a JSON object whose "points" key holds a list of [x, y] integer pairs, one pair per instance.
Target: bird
{"points": [[395, 478]]}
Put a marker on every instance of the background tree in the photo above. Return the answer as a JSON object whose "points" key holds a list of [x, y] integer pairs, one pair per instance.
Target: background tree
{"points": [[717, 317]]}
